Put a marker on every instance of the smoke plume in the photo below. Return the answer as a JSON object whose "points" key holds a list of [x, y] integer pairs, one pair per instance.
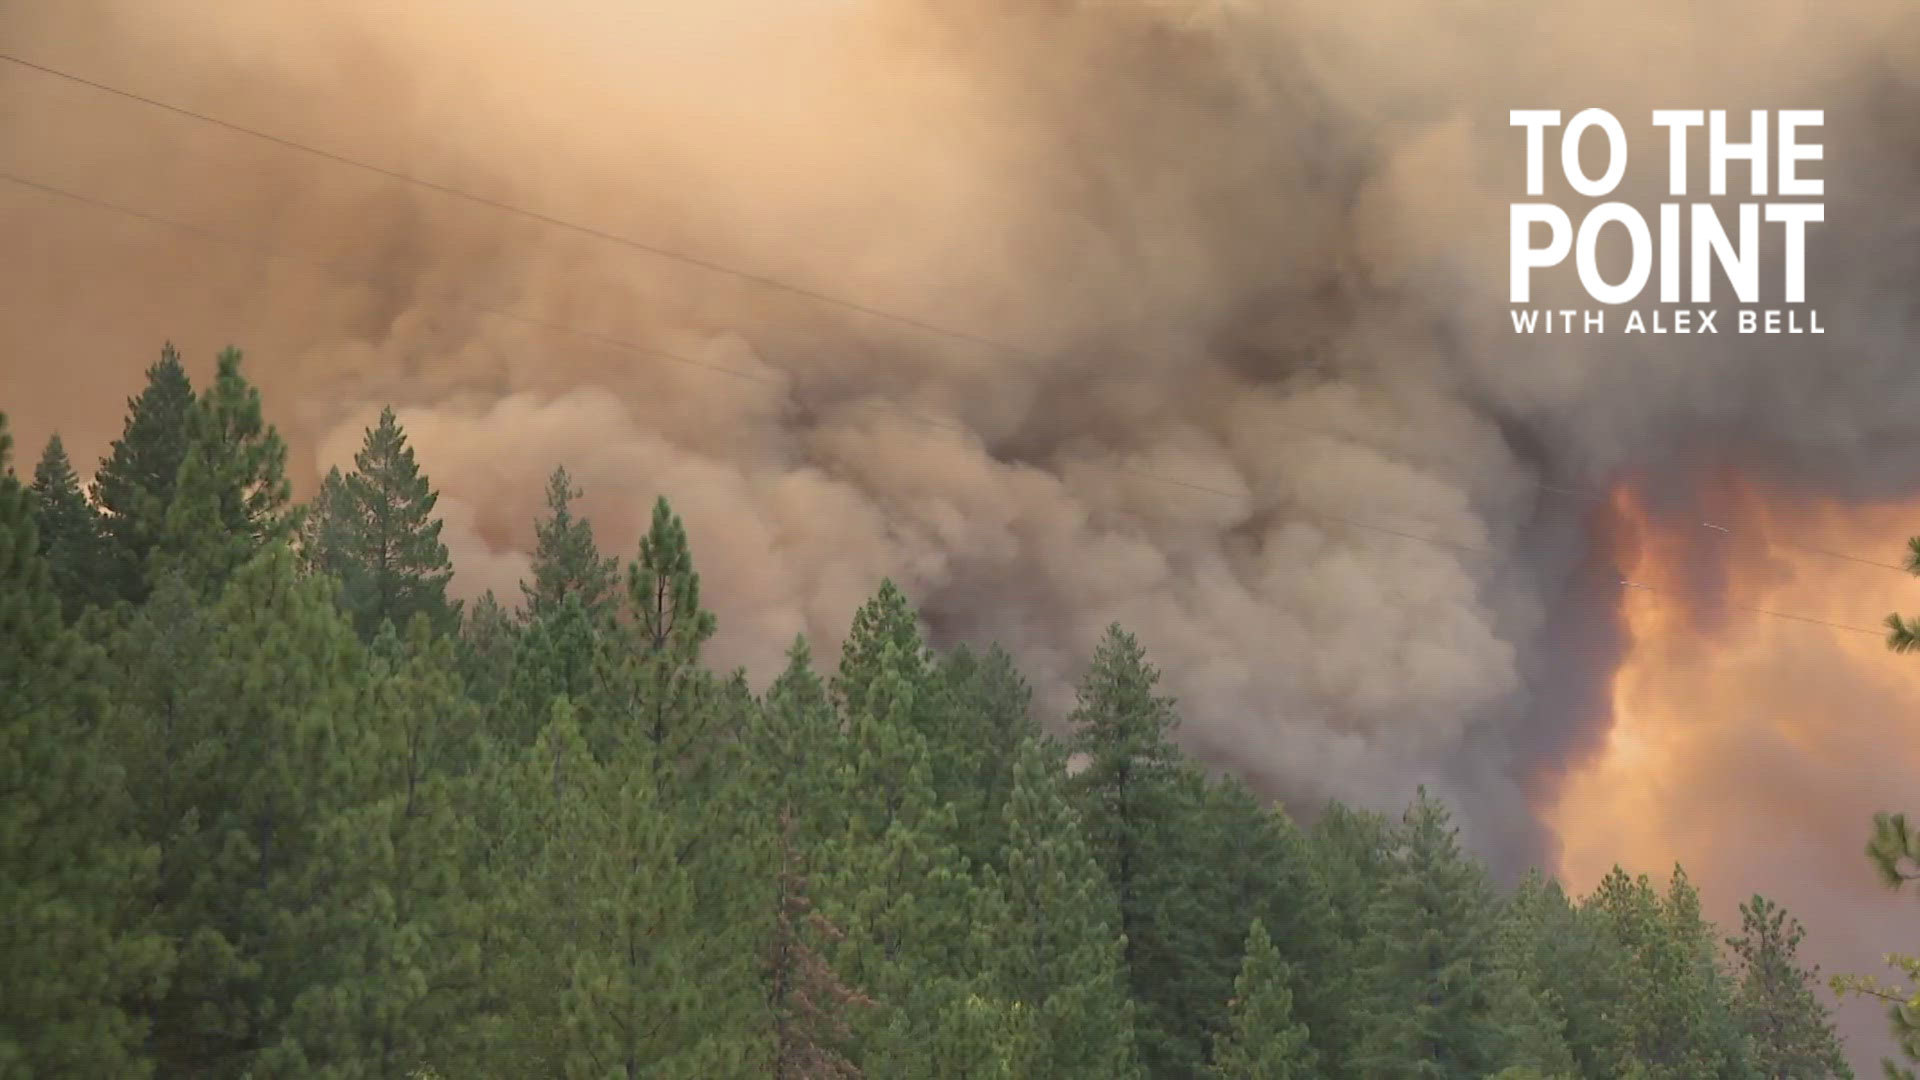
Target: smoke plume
{"points": [[1228, 280]]}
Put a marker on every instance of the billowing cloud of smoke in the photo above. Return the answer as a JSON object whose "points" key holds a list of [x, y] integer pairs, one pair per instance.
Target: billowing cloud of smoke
{"points": [[1251, 260]]}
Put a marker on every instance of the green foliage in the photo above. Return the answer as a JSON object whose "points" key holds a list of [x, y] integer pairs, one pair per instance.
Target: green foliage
{"points": [[72, 534], [1263, 1041], [135, 484], [1787, 1028], [374, 529], [231, 495], [80, 967], [269, 818], [566, 561]]}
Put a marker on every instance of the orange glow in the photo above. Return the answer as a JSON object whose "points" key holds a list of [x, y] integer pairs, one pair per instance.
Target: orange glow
{"points": [[1754, 748]]}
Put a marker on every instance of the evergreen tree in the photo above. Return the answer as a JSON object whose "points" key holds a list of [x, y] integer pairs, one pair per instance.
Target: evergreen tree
{"points": [[231, 496], [1351, 856], [986, 709], [567, 562], [374, 529], [135, 482], [809, 1007], [488, 637], [1264, 1041], [906, 898], [256, 767], [1563, 985], [1430, 976], [1788, 1028], [72, 879], [1059, 947], [383, 997], [1136, 799], [1675, 1016], [72, 534]]}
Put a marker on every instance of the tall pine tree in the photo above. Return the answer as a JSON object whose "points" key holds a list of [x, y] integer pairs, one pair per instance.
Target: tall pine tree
{"points": [[566, 560], [72, 534], [374, 529], [72, 877], [1264, 1041], [231, 496], [135, 483], [1788, 1028]]}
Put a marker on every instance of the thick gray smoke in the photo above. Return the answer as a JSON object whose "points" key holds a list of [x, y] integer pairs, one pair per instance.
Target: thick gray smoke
{"points": [[1249, 261]]}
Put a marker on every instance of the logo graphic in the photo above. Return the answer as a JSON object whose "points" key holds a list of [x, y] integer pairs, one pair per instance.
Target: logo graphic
{"points": [[1695, 228]]}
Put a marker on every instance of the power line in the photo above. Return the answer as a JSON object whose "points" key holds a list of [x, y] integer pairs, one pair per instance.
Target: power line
{"points": [[1601, 577], [762, 280], [620, 343], [665, 354], [718, 268]]}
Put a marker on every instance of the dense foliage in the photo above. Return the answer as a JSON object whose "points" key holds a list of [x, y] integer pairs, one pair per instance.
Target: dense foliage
{"points": [[275, 806]]}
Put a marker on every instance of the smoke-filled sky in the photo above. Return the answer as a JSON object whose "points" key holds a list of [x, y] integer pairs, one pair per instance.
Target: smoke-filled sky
{"points": [[1229, 279]]}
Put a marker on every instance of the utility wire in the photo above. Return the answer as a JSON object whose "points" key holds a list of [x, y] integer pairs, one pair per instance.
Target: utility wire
{"points": [[712, 267], [762, 280], [1599, 577], [619, 343]]}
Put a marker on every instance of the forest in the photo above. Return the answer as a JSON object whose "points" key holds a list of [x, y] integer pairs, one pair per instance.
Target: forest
{"points": [[277, 805]]}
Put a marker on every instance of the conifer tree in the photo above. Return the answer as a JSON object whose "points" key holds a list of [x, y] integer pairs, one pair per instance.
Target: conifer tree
{"points": [[374, 529], [1430, 975], [1561, 987], [488, 637], [1249, 862], [906, 898], [1264, 1041], [135, 482], [1351, 855], [557, 655], [72, 534], [1059, 947], [1135, 797], [231, 495], [256, 770], [798, 746], [987, 706], [566, 560], [662, 695], [72, 879], [1788, 1028], [810, 1008], [1675, 1015], [383, 996]]}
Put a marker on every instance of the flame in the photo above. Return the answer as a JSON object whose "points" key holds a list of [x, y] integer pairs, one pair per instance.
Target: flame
{"points": [[1758, 718]]}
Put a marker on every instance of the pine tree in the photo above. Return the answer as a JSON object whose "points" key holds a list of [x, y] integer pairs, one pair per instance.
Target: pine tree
{"points": [[384, 996], [1264, 1041], [1789, 1029], [488, 637], [246, 762], [135, 483], [72, 534], [1250, 862], [1432, 994], [810, 1008], [1561, 985], [231, 495], [1675, 1014], [374, 529], [566, 560], [72, 878], [1136, 797], [906, 898], [1058, 943], [1351, 856], [986, 705]]}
